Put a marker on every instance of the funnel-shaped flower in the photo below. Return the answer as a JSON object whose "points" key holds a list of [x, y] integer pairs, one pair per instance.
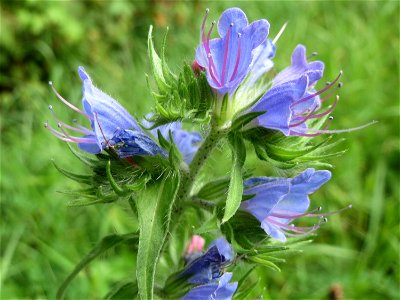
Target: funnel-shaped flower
{"points": [[208, 267], [279, 201], [111, 125], [292, 99], [187, 142], [219, 290], [227, 59]]}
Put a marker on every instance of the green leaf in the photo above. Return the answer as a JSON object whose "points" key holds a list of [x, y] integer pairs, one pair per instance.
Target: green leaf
{"points": [[235, 190], [215, 189], [123, 290], [264, 262], [105, 244], [114, 185], [242, 120], [210, 225], [156, 64], [154, 210], [86, 179]]}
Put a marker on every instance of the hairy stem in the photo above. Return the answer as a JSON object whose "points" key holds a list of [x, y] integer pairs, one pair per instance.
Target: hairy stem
{"points": [[212, 139]]}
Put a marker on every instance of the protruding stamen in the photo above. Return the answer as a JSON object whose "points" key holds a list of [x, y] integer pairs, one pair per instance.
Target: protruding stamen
{"points": [[304, 119], [319, 92], [287, 215], [328, 111], [67, 103], [211, 66], [202, 35], [237, 59], [81, 130], [302, 230], [74, 138], [62, 137], [228, 35], [312, 55]]}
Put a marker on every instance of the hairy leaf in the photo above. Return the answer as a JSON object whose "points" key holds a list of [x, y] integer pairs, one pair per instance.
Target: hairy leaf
{"points": [[154, 210], [235, 190]]}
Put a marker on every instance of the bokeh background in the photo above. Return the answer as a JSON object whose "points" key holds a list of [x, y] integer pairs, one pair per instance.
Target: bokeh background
{"points": [[355, 255]]}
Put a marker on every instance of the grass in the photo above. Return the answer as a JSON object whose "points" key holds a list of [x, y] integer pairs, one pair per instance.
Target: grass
{"points": [[42, 239]]}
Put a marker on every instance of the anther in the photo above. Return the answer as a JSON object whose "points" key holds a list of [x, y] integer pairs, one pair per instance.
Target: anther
{"points": [[214, 22], [350, 206], [340, 84], [231, 25], [46, 124], [314, 54], [51, 107], [319, 208], [207, 10], [328, 83], [50, 83], [239, 34], [59, 125], [325, 220], [209, 55], [330, 117]]}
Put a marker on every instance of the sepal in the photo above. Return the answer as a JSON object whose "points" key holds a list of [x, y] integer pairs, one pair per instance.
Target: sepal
{"points": [[288, 152], [186, 96]]}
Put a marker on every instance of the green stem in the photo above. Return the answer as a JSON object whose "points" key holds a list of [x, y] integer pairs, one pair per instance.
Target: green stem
{"points": [[197, 163]]}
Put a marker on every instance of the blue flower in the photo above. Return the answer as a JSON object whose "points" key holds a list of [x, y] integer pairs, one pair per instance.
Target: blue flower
{"points": [[187, 142], [110, 124], [279, 201], [292, 100], [208, 267], [220, 290], [227, 59]]}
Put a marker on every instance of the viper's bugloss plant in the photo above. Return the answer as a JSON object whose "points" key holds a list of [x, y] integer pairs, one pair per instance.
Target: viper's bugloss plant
{"points": [[228, 94]]}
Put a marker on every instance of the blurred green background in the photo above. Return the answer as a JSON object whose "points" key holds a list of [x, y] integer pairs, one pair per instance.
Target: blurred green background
{"points": [[355, 255]]}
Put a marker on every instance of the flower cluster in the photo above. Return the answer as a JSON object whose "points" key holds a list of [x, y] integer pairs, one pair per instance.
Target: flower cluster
{"points": [[232, 73], [237, 62]]}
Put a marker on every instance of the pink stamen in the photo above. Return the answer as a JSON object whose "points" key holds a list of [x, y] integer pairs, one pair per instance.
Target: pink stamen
{"points": [[228, 35], [284, 215], [211, 66], [203, 36], [331, 93], [74, 138], [303, 119], [311, 116], [301, 230], [319, 92], [68, 103], [328, 111], [81, 130], [237, 60], [67, 138]]}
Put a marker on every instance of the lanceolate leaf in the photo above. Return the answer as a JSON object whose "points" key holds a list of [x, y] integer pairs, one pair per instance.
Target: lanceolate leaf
{"points": [[123, 290], [105, 244], [154, 210], [156, 64], [235, 190], [243, 120]]}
